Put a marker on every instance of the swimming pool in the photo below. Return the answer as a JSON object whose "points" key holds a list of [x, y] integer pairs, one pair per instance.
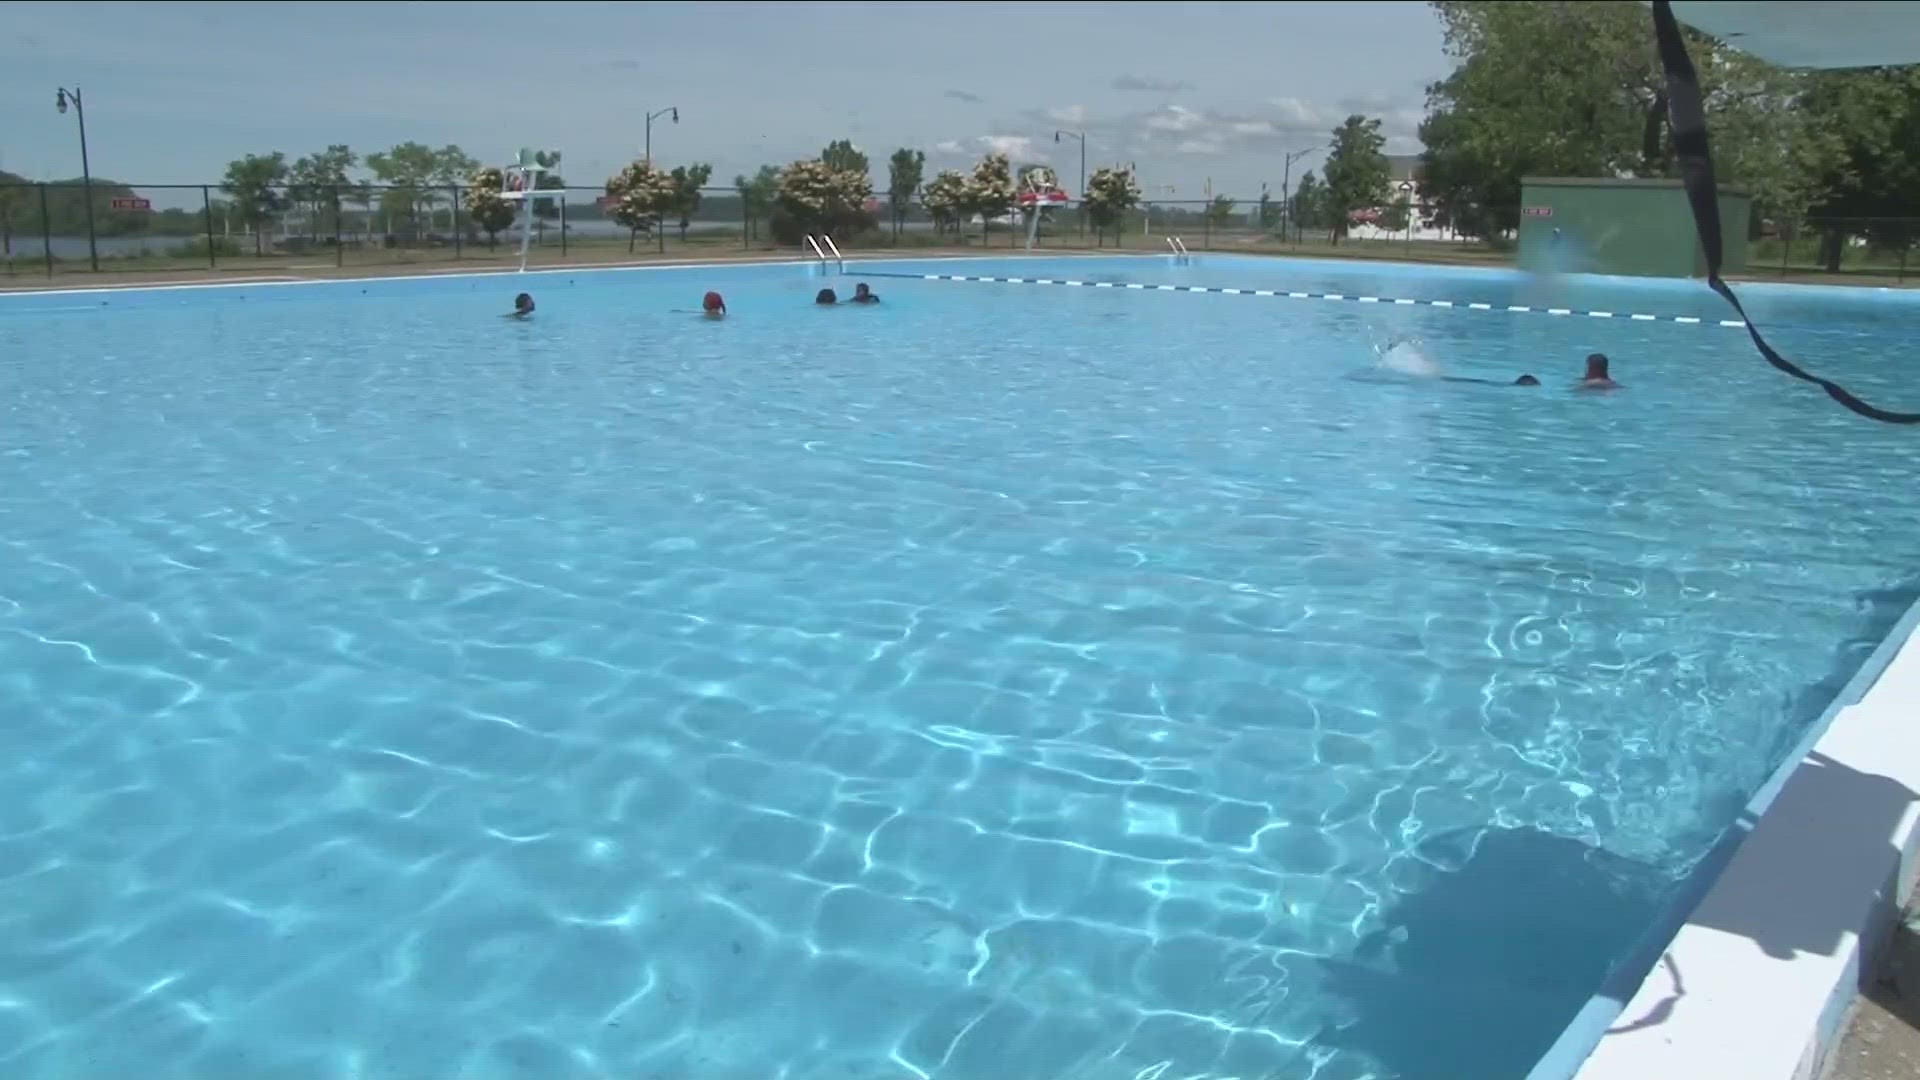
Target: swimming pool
{"points": [[1010, 680]]}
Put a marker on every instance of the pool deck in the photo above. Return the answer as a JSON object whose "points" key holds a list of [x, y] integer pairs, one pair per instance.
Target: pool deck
{"points": [[1765, 975]]}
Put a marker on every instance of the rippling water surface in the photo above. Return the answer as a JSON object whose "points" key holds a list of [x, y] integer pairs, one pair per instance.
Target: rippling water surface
{"points": [[1003, 682]]}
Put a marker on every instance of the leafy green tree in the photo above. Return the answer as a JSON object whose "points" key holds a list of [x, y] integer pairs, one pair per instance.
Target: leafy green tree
{"points": [[1219, 212], [1110, 194], [1357, 172], [320, 182], [485, 206], [254, 182], [842, 156], [905, 170], [641, 195], [943, 198], [687, 182], [408, 170], [756, 196], [1867, 178], [1309, 209], [1559, 88]]}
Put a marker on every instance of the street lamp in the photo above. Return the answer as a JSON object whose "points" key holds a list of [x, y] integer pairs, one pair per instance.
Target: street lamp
{"points": [[1286, 187], [60, 99], [671, 110], [1082, 136]]}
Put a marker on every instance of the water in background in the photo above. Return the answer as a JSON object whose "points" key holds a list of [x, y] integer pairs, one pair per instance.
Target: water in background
{"points": [[1006, 680]]}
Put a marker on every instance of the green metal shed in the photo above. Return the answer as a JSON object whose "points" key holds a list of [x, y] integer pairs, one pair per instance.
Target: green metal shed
{"points": [[1612, 226]]}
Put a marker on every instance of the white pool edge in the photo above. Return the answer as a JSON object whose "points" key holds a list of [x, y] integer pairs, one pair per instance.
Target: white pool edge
{"points": [[1821, 877]]}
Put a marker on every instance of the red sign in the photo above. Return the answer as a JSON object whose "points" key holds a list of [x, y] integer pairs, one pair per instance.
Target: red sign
{"points": [[132, 202], [1536, 211]]}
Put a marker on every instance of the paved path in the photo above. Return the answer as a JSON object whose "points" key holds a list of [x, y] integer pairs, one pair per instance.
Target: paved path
{"points": [[1883, 1042]]}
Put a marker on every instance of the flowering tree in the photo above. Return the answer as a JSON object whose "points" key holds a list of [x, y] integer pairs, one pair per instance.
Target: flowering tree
{"points": [[1110, 194], [989, 191], [638, 195], [814, 197], [485, 207], [945, 200]]}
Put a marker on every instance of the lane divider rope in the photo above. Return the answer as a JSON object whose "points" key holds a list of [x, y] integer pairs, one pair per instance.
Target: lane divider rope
{"points": [[1297, 295]]}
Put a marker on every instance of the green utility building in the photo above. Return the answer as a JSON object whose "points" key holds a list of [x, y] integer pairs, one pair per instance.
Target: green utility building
{"points": [[1637, 227]]}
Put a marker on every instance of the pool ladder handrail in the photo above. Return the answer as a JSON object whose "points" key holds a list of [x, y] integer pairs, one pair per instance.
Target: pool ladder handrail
{"points": [[821, 254], [1179, 247]]}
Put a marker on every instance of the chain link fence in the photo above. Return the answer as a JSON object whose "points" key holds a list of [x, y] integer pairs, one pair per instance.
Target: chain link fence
{"points": [[50, 229]]}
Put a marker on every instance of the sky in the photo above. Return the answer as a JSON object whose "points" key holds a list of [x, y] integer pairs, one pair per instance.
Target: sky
{"points": [[1193, 94]]}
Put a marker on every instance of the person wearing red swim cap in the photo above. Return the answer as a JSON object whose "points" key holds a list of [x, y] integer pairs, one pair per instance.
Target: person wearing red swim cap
{"points": [[712, 306]]}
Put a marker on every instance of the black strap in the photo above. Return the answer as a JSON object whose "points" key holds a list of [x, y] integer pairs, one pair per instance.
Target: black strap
{"points": [[1688, 116]]}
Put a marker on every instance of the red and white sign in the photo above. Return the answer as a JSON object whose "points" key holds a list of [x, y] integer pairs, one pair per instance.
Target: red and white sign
{"points": [[131, 202], [1536, 211]]}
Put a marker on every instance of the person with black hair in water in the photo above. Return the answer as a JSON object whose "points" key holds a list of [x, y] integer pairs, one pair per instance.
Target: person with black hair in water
{"points": [[1596, 377], [864, 295], [825, 298], [522, 307]]}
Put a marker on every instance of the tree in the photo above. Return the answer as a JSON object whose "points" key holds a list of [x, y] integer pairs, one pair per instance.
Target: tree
{"points": [[548, 179], [989, 191], [687, 182], [814, 197], [1219, 212], [485, 206], [1110, 194], [253, 182], [319, 182], [1357, 172], [13, 198], [640, 195], [756, 196], [408, 170], [1867, 180], [843, 156], [1558, 88], [1309, 203], [943, 198], [905, 170]]}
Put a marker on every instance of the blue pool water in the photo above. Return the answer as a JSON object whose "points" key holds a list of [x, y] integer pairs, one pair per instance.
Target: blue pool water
{"points": [[1006, 681]]}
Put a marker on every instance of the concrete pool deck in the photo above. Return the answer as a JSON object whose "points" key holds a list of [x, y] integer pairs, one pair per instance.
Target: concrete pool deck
{"points": [[1762, 979]]}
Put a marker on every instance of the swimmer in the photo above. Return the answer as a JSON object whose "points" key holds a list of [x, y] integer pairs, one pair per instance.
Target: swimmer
{"points": [[864, 295], [1596, 377], [712, 306], [1526, 380], [522, 307], [825, 298]]}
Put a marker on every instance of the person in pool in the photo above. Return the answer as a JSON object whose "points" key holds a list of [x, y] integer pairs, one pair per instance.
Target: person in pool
{"points": [[863, 295], [825, 298], [1596, 377], [712, 306], [1526, 380], [522, 307]]}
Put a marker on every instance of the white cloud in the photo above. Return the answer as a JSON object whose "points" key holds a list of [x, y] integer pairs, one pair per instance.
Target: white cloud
{"points": [[1068, 114], [1020, 149], [1151, 84], [1276, 125], [1199, 146], [949, 146]]}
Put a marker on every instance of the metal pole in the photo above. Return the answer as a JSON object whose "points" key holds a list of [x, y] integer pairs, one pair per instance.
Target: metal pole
{"points": [[649, 149], [86, 179], [563, 223], [456, 222], [206, 200], [339, 245], [46, 230]]}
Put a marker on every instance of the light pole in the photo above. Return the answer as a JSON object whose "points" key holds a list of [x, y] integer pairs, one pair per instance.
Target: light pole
{"points": [[1082, 136], [1286, 188], [671, 110], [60, 99]]}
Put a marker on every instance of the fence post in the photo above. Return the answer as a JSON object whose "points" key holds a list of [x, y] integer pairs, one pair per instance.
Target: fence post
{"points": [[456, 222], [46, 229], [339, 243], [660, 234], [746, 225], [206, 200], [563, 223]]}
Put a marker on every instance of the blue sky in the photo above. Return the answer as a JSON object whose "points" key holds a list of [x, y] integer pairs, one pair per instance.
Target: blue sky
{"points": [[1187, 91]]}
